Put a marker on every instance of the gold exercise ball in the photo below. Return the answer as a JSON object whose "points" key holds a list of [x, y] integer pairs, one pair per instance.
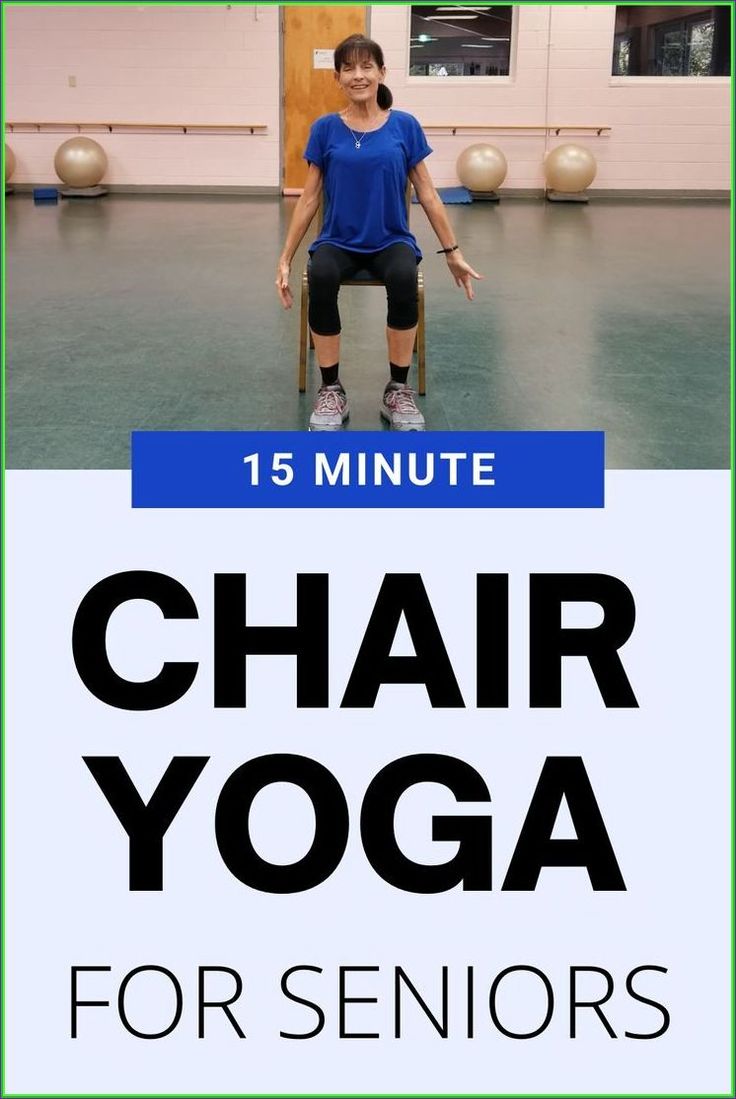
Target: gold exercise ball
{"points": [[569, 168], [481, 167], [80, 162], [9, 163]]}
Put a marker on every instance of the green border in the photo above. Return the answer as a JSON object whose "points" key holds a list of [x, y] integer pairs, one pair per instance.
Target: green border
{"points": [[366, 1095]]}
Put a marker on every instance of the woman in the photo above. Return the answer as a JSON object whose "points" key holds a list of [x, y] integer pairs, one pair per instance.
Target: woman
{"points": [[363, 157]]}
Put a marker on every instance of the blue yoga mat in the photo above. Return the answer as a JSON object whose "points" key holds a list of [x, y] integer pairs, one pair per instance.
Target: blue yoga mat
{"points": [[452, 196], [45, 195]]}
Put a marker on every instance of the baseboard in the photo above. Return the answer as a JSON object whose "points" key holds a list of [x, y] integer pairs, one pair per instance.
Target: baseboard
{"points": [[661, 194], [593, 194], [625, 194], [520, 192]]}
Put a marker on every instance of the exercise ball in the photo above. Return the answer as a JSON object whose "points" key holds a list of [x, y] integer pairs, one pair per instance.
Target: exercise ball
{"points": [[9, 163], [80, 162], [569, 168], [481, 167]]}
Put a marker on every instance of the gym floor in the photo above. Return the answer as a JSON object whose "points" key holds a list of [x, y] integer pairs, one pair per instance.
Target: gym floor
{"points": [[159, 312]]}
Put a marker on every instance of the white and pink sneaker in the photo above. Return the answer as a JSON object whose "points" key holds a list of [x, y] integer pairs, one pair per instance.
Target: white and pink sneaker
{"points": [[330, 408], [400, 408]]}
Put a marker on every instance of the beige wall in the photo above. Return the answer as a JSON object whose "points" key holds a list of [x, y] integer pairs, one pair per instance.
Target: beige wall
{"points": [[217, 65], [669, 134], [148, 64]]}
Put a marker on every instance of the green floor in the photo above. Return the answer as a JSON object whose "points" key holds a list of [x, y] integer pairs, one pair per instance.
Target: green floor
{"points": [[160, 313]]}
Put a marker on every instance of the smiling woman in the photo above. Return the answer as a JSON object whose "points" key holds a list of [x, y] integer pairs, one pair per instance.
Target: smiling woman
{"points": [[360, 160]]}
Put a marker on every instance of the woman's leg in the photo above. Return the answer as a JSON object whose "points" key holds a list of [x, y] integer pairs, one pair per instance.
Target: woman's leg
{"points": [[400, 345], [327, 349], [327, 267], [397, 267]]}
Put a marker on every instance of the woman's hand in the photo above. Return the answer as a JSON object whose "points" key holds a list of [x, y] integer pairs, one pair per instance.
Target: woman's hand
{"points": [[434, 208], [282, 284], [462, 272]]}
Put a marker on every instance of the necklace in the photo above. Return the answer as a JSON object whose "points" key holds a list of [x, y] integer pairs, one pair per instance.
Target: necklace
{"points": [[358, 138]]}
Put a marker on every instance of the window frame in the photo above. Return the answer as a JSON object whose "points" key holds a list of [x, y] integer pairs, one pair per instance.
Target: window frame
{"points": [[659, 81], [685, 25], [464, 80]]}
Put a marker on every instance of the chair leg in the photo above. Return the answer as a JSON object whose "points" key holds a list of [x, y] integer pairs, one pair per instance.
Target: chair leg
{"points": [[303, 334], [421, 339]]}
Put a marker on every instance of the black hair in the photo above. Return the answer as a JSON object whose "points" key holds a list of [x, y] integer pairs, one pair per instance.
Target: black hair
{"points": [[357, 46]]}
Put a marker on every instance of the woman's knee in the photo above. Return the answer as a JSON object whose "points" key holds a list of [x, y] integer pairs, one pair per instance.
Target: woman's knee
{"points": [[323, 272], [323, 284], [403, 306], [400, 275], [324, 287]]}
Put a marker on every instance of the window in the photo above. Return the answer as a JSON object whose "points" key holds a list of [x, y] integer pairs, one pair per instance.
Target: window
{"points": [[450, 40], [658, 41]]}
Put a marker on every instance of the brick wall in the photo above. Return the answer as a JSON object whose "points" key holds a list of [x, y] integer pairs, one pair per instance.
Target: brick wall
{"points": [[147, 64], [666, 133], [217, 65]]}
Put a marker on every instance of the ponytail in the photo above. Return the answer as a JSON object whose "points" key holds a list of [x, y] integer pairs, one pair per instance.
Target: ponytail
{"points": [[385, 99]]}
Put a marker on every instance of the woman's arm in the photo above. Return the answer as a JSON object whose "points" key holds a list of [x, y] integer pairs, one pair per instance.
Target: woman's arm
{"points": [[304, 211], [434, 208]]}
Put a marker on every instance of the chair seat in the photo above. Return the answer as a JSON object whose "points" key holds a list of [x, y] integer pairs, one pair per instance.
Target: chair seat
{"points": [[362, 277]]}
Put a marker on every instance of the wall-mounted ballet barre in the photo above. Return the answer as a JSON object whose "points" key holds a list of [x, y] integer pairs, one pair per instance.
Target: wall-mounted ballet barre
{"points": [[122, 127], [261, 128], [454, 128]]}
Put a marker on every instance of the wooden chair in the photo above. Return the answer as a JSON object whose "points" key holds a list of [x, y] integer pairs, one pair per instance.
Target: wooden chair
{"points": [[362, 278]]}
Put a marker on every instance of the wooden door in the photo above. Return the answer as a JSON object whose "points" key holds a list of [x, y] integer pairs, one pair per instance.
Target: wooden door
{"points": [[308, 91]]}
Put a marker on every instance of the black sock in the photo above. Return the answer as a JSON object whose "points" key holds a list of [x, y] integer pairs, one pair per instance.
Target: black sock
{"points": [[399, 373], [329, 374]]}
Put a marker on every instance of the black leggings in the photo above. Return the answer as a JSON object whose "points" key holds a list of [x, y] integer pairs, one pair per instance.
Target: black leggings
{"points": [[395, 266]]}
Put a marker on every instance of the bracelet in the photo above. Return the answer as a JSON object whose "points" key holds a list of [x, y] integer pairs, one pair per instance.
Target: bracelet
{"points": [[446, 251]]}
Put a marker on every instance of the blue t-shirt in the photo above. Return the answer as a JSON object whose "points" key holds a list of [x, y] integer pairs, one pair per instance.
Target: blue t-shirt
{"points": [[364, 189]]}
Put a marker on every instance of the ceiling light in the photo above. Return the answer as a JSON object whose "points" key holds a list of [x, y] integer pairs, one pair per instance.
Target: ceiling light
{"points": [[474, 46], [444, 18]]}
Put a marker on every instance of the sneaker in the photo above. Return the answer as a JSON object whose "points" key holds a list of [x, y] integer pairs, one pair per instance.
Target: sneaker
{"points": [[330, 409], [400, 408]]}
